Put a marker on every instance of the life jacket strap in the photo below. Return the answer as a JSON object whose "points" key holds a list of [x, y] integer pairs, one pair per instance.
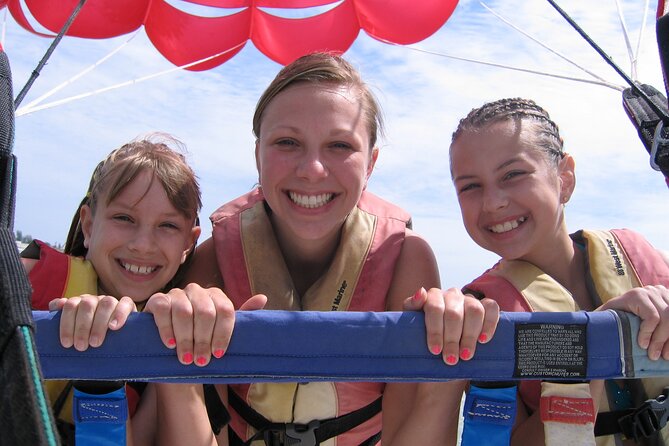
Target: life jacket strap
{"points": [[489, 413], [100, 412], [295, 434], [642, 422]]}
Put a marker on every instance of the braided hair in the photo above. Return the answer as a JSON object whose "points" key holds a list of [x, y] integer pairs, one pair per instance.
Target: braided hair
{"points": [[546, 132]]}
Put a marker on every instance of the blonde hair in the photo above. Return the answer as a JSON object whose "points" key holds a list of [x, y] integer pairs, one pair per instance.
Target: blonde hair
{"points": [[325, 68], [159, 153]]}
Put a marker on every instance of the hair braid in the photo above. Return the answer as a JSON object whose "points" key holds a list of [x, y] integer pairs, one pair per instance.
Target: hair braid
{"points": [[547, 132]]}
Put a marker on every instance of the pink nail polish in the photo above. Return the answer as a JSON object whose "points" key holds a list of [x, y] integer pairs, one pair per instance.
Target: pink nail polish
{"points": [[435, 349], [218, 353], [188, 358], [483, 337], [451, 360], [418, 294], [171, 342], [201, 361], [465, 353]]}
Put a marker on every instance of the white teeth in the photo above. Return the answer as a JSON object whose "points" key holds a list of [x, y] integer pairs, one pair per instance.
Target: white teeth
{"points": [[136, 269], [310, 201], [507, 226]]}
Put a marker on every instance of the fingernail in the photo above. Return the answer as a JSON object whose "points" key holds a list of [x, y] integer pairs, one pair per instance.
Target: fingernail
{"points": [[188, 358], [654, 355], [113, 324], [418, 294], [94, 341], [483, 337], [201, 360], [465, 353], [219, 353], [451, 360], [435, 349], [171, 342]]}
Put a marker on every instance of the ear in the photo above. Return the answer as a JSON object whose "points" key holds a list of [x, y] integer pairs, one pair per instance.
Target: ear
{"points": [[86, 222], [191, 240], [372, 161], [257, 151], [567, 175]]}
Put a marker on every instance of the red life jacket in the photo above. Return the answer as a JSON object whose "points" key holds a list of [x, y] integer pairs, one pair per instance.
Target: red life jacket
{"points": [[358, 279]]}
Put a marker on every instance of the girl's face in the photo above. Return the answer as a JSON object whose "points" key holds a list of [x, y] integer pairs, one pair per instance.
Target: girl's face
{"points": [[313, 158], [510, 193], [137, 241]]}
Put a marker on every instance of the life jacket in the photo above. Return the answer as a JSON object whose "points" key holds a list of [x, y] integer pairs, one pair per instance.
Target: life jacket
{"points": [[60, 275], [616, 261], [358, 279]]}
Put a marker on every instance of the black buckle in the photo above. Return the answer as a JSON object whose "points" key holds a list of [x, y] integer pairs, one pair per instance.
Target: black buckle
{"points": [[659, 152], [647, 419], [290, 434], [301, 434]]}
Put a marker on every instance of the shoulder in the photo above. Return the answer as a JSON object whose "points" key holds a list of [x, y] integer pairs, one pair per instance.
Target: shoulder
{"points": [[203, 269]]}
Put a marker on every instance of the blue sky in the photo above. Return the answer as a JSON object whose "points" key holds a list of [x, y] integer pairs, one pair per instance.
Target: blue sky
{"points": [[423, 96]]}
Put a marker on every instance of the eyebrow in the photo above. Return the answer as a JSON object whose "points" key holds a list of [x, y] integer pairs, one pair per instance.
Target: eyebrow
{"points": [[497, 169]]}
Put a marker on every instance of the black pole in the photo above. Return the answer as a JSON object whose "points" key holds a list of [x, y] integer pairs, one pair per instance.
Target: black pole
{"points": [[52, 47], [609, 60]]}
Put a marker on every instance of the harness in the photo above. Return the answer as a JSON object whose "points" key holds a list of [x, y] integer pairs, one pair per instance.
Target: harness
{"points": [[357, 279]]}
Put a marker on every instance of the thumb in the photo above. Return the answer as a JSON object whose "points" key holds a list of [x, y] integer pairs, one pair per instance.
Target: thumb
{"points": [[256, 302]]}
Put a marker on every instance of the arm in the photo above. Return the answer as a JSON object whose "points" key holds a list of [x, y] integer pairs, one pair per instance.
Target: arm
{"points": [[414, 413]]}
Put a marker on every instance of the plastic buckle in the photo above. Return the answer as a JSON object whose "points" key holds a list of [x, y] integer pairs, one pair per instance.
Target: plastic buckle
{"points": [[305, 435], [648, 419], [659, 152]]}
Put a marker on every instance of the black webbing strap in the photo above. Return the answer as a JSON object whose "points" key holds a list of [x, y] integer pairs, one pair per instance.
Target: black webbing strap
{"points": [[653, 133], [216, 410], [642, 422], [311, 434]]}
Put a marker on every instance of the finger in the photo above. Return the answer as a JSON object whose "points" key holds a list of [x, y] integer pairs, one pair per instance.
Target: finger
{"points": [[204, 318], [660, 335], [161, 307], [67, 318], [225, 323], [57, 304], [490, 321], [125, 306], [84, 321], [453, 325], [101, 316], [256, 302], [415, 302], [474, 314], [182, 324], [434, 320]]}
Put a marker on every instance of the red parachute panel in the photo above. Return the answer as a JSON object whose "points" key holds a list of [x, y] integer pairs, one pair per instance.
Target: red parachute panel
{"points": [[184, 38]]}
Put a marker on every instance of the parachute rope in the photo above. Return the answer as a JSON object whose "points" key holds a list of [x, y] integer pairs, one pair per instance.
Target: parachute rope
{"points": [[509, 67], [54, 90], [628, 44], [658, 111], [545, 46], [24, 110]]}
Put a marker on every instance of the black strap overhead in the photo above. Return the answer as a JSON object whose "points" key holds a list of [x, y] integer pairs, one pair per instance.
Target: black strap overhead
{"points": [[653, 132], [311, 434]]}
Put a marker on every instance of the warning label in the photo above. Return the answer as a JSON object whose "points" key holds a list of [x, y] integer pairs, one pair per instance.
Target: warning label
{"points": [[550, 351]]}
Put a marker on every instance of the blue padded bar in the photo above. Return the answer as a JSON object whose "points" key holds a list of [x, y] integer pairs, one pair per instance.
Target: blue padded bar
{"points": [[354, 346]]}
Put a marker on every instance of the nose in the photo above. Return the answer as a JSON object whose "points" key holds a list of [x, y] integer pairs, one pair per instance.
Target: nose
{"points": [[312, 165], [143, 240], [494, 199]]}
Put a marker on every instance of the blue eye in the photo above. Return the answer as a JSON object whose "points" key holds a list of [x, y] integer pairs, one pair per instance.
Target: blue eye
{"points": [[123, 218]]}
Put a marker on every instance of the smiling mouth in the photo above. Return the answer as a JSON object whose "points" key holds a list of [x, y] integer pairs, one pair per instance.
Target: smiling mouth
{"points": [[310, 201], [138, 269], [507, 226]]}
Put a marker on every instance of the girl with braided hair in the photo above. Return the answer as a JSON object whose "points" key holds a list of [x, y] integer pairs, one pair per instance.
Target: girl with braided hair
{"points": [[513, 179]]}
